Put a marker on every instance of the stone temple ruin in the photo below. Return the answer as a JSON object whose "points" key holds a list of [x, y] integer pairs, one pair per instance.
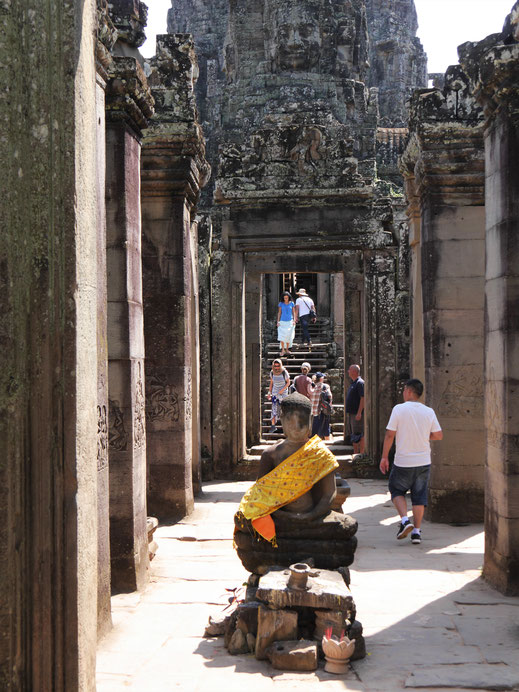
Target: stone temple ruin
{"points": [[152, 212]]}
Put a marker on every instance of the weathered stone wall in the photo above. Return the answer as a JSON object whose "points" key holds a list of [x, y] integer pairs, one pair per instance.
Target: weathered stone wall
{"points": [[493, 66], [443, 165], [48, 382]]}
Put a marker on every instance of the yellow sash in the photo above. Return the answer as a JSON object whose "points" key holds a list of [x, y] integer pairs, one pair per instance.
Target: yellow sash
{"points": [[292, 478]]}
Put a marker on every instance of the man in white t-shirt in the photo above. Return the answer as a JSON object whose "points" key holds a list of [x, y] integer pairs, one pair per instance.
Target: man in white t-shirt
{"points": [[414, 425], [304, 306]]}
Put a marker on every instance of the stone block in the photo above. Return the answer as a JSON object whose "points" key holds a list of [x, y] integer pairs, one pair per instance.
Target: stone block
{"points": [[336, 619], [460, 223], [238, 644], [247, 617], [325, 589], [296, 655], [472, 251], [449, 295], [274, 626]]}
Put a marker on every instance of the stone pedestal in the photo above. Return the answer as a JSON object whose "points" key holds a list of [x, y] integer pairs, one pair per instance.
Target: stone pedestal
{"points": [[330, 542], [493, 70], [173, 170], [129, 105], [443, 165]]}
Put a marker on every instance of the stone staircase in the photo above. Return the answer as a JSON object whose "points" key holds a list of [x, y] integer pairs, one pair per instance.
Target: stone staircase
{"points": [[321, 357]]}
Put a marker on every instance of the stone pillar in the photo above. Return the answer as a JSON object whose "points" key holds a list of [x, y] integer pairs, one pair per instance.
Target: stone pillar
{"points": [[494, 70], [353, 292], [379, 347], [173, 171], [205, 240], [129, 105], [445, 157], [323, 295], [253, 360], [48, 379], [106, 37], [337, 310], [416, 298]]}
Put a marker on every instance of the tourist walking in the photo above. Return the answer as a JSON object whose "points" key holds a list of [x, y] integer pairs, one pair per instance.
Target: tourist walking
{"points": [[278, 389], [321, 424], [286, 323], [305, 313], [413, 425], [303, 383], [355, 409], [315, 395]]}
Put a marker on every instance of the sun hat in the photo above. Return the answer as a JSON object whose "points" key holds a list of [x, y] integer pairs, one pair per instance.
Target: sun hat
{"points": [[320, 374], [306, 365], [301, 292]]}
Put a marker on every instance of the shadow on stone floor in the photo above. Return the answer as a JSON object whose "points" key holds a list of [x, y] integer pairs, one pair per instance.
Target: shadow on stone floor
{"points": [[467, 639]]}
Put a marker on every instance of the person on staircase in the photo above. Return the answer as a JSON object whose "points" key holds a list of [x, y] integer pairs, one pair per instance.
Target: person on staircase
{"points": [[321, 424], [315, 398], [286, 324], [305, 313], [278, 390], [303, 384]]}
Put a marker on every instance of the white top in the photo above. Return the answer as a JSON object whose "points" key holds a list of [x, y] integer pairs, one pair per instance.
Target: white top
{"points": [[305, 304], [413, 423]]}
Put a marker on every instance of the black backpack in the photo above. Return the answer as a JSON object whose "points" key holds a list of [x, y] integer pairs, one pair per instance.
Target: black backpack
{"points": [[326, 403]]}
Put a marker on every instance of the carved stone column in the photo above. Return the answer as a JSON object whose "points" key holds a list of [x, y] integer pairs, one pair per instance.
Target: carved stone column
{"points": [[173, 171], [379, 347], [443, 166], [494, 71], [253, 360], [129, 105], [106, 38]]}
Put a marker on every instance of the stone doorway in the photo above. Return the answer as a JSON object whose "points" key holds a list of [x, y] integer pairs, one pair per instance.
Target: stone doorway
{"points": [[327, 291]]}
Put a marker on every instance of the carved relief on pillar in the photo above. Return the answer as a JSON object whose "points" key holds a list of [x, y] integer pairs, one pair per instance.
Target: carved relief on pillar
{"points": [[139, 413], [117, 435], [102, 437], [162, 404]]}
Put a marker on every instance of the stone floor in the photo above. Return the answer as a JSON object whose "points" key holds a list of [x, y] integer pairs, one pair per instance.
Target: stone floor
{"points": [[430, 621]]}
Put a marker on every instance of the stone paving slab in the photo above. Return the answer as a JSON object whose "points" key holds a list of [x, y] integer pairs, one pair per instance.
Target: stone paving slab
{"points": [[480, 676], [428, 617]]}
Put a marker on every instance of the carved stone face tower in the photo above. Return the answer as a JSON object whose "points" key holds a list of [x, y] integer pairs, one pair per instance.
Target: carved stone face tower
{"points": [[292, 130], [293, 35]]}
